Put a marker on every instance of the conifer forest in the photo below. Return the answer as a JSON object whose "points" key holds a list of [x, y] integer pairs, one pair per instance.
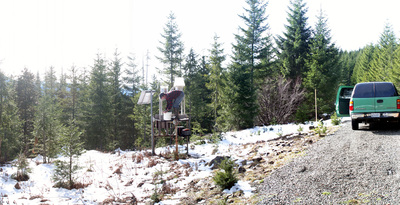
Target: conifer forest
{"points": [[263, 80]]}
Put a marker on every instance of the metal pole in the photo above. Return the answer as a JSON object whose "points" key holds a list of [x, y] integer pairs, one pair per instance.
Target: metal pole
{"points": [[152, 126]]}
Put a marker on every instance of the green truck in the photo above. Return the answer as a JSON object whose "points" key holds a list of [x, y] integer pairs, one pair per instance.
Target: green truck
{"points": [[370, 102]]}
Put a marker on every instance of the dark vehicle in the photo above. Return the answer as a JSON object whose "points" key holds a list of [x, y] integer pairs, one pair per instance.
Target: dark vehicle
{"points": [[374, 101]]}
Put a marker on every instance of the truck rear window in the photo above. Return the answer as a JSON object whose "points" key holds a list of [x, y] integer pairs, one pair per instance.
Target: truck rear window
{"points": [[364, 91], [385, 90]]}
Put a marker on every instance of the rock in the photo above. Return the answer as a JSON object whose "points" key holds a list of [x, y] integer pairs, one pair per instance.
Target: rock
{"points": [[257, 160], [271, 162], [241, 170], [238, 193], [244, 162], [217, 161], [17, 186], [302, 169], [140, 184]]}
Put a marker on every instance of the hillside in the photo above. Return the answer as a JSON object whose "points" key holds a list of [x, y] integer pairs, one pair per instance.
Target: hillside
{"points": [[133, 176]]}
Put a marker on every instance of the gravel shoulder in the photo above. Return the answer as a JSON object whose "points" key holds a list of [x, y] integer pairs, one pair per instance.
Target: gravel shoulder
{"points": [[349, 167]]}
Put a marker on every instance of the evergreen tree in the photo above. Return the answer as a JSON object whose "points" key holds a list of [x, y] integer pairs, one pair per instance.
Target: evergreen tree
{"points": [[362, 68], [26, 102], [72, 148], [9, 123], [323, 64], [396, 68], [47, 119], [258, 52], [348, 62], [117, 114], [62, 98], [131, 87], [171, 50], [72, 105], [99, 113], [251, 54], [382, 63], [196, 94], [215, 81], [293, 47], [82, 114], [239, 107]]}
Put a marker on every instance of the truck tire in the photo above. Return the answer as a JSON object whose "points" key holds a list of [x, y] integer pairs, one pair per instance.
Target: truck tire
{"points": [[354, 124]]}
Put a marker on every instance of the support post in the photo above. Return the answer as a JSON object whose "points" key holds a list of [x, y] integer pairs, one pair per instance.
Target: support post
{"points": [[316, 112], [152, 125]]}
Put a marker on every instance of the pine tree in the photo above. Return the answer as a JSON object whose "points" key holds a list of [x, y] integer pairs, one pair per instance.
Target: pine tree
{"points": [[10, 128], [117, 114], [251, 57], [239, 107], [132, 87], [293, 47], [396, 68], [382, 63], [258, 52], [323, 65], [172, 51], [99, 113], [215, 81], [47, 119], [26, 102], [63, 98], [72, 148], [348, 61], [196, 94], [362, 68]]}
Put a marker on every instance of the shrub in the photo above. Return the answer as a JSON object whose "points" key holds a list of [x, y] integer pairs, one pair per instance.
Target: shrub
{"points": [[22, 169], [335, 119], [226, 177], [321, 129]]}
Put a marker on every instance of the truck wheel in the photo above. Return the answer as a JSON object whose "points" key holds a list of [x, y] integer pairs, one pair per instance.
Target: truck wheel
{"points": [[354, 124]]}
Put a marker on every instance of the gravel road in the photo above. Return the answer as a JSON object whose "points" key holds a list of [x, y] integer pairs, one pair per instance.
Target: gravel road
{"points": [[349, 167]]}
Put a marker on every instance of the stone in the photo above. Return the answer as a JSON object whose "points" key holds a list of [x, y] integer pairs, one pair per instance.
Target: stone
{"points": [[217, 161], [241, 170]]}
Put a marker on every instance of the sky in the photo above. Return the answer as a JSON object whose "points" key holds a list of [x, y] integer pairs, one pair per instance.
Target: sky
{"points": [[38, 34]]}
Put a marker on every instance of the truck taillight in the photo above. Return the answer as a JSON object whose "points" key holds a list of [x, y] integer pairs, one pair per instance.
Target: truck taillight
{"points": [[351, 105], [398, 103]]}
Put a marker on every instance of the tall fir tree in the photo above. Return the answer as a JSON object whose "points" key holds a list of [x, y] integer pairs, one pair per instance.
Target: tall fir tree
{"points": [[348, 61], [293, 46], [215, 80], [132, 88], [47, 123], [62, 97], [99, 113], [382, 63], [323, 67], [26, 102], [10, 128], [363, 65], [196, 94], [172, 51], [117, 114], [258, 52]]}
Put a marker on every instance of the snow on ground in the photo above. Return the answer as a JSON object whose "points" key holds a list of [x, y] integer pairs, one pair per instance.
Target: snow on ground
{"points": [[124, 174]]}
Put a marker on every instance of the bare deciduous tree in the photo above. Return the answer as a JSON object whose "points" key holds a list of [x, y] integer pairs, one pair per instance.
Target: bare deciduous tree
{"points": [[279, 99]]}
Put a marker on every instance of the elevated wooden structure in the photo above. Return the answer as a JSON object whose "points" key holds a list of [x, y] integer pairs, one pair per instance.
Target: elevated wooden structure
{"points": [[173, 129]]}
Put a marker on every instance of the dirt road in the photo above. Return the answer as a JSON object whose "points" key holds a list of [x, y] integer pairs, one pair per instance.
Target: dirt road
{"points": [[349, 167]]}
